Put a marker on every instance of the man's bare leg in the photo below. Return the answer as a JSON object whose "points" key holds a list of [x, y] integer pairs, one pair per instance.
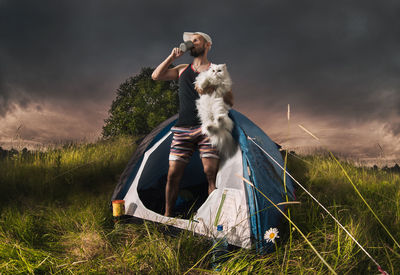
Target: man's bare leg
{"points": [[175, 173], [210, 169]]}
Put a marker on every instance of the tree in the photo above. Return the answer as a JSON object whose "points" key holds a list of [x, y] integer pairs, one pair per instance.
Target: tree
{"points": [[141, 104]]}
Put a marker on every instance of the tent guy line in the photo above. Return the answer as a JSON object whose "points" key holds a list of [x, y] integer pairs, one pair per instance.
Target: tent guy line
{"points": [[326, 210]]}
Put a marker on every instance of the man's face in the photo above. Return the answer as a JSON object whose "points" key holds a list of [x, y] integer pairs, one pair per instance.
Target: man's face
{"points": [[199, 45]]}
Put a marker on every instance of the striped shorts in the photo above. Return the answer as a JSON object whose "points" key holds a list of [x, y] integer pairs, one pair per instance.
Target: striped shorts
{"points": [[186, 140]]}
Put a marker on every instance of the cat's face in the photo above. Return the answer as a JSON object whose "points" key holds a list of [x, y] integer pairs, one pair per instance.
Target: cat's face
{"points": [[218, 71]]}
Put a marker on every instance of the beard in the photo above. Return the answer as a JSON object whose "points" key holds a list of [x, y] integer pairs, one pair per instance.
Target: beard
{"points": [[197, 52]]}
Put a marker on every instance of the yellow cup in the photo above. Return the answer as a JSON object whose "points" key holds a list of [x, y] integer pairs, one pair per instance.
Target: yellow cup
{"points": [[118, 208]]}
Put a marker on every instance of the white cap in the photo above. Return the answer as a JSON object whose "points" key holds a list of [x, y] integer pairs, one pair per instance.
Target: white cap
{"points": [[188, 35]]}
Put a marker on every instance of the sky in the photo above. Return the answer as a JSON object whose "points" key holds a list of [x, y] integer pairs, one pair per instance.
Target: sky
{"points": [[335, 62]]}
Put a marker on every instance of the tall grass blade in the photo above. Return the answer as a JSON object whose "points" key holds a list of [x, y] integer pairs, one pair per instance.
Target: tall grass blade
{"points": [[308, 132], [286, 194], [220, 208]]}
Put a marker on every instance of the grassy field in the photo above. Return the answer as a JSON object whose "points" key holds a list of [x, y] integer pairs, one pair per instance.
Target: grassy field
{"points": [[55, 219]]}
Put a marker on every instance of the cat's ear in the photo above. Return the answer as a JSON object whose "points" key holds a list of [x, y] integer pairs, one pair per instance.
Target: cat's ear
{"points": [[224, 66]]}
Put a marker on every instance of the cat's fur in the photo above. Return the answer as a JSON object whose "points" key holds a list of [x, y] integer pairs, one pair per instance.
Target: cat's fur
{"points": [[212, 85]]}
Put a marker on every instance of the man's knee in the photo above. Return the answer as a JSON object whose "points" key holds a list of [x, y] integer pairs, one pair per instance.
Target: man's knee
{"points": [[210, 169], [175, 170]]}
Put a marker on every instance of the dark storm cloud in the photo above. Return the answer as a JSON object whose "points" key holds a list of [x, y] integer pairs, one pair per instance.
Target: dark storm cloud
{"points": [[69, 50], [328, 59], [8, 99], [334, 59], [394, 128]]}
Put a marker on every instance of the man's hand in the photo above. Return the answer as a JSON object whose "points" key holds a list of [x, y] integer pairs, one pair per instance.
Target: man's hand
{"points": [[162, 72], [176, 52]]}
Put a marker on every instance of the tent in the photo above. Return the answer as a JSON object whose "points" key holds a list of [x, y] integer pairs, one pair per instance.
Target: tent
{"points": [[244, 213]]}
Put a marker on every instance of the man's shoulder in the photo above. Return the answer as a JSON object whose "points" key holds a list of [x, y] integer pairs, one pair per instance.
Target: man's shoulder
{"points": [[181, 67]]}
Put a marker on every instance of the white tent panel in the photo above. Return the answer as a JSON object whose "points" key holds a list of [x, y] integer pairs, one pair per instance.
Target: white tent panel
{"points": [[234, 214]]}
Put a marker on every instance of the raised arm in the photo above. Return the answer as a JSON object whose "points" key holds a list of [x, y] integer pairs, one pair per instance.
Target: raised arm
{"points": [[163, 73]]}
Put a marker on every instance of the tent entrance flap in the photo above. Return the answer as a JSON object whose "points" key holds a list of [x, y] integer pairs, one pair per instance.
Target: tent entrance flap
{"points": [[151, 186]]}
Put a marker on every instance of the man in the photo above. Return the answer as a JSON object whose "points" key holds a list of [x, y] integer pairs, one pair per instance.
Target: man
{"points": [[187, 131]]}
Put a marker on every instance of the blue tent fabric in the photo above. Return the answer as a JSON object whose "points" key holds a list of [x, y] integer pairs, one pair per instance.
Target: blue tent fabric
{"points": [[257, 168], [264, 174]]}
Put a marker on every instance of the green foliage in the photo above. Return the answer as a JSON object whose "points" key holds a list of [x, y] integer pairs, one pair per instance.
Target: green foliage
{"points": [[141, 104], [73, 169]]}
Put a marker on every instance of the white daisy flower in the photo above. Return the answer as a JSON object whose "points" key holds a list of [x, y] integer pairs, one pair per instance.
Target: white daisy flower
{"points": [[271, 235]]}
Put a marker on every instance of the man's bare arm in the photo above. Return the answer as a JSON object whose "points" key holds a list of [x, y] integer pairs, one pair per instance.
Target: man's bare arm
{"points": [[163, 73]]}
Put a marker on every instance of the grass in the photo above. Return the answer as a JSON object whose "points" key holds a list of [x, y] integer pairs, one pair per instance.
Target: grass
{"points": [[55, 219]]}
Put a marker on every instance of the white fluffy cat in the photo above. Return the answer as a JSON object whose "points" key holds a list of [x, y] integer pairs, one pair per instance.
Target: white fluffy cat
{"points": [[213, 85]]}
